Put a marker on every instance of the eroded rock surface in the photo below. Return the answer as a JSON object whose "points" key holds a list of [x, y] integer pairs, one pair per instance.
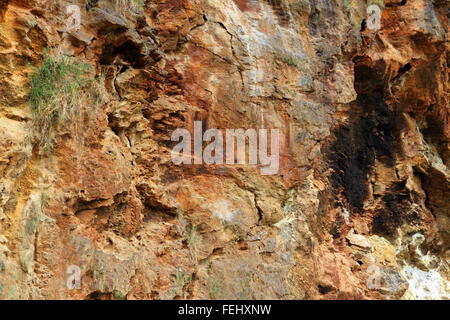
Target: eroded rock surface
{"points": [[359, 208]]}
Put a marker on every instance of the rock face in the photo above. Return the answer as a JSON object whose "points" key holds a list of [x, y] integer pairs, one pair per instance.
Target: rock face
{"points": [[359, 208]]}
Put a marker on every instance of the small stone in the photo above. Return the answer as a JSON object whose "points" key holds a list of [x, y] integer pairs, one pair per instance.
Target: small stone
{"points": [[359, 241]]}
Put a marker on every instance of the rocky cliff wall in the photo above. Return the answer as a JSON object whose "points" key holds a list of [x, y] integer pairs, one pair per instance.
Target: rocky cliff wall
{"points": [[359, 208]]}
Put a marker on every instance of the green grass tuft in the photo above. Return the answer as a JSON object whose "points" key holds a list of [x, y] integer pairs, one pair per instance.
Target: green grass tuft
{"points": [[56, 94], [194, 238], [214, 290], [139, 4], [121, 5], [118, 295], [292, 62], [181, 279]]}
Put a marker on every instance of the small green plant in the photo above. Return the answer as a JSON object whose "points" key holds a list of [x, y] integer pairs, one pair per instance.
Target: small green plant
{"points": [[56, 94], [214, 290], [292, 62], [121, 5], [357, 25], [91, 3], [194, 241], [25, 261], [194, 238], [32, 223], [139, 4], [181, 279], [180, 213], [119, 295], [379, 3], [44, 199], [31, 23]]}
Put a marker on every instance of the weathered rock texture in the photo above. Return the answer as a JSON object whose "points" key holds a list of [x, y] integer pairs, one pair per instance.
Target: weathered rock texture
{"points": [[363, 186]]}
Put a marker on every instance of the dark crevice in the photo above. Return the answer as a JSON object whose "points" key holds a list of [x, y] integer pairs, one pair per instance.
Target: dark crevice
{"points": [[91, 4], [260, 213], [369, 135], [403, 70], [97, 295], [363, 25], [395, 210], [435, 128], [127, 55], [390, 5], [3, 8], [335, 231], [111, 122], [324, 289]]}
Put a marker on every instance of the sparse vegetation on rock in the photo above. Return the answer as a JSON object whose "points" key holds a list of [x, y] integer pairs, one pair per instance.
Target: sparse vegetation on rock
{"points": [[56, 94]]}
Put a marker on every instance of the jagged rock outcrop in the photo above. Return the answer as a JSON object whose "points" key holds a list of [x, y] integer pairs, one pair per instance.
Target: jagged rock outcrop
{"points": [[359, 208]]}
